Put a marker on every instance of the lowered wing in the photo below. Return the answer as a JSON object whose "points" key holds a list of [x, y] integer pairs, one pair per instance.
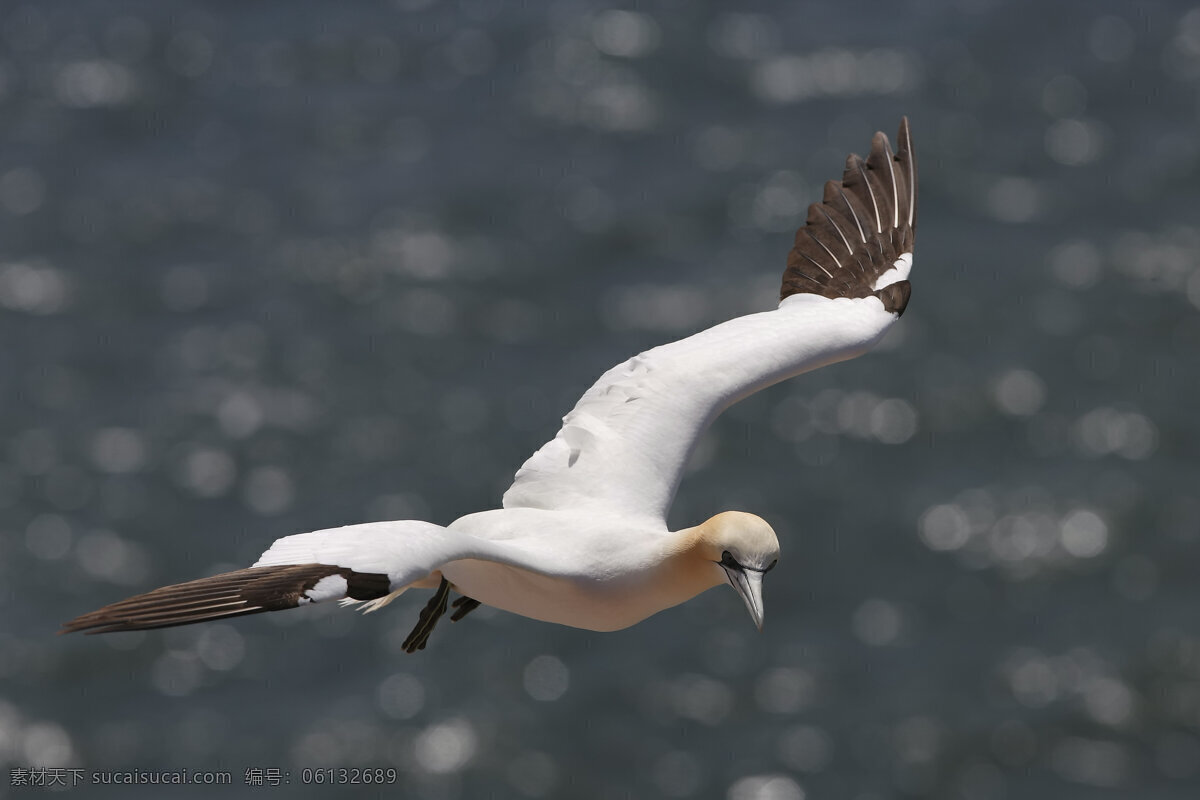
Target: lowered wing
{"points": [[374, 561]]}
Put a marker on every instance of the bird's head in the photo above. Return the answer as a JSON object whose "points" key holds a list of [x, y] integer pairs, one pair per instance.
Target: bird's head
{"points": [[744, 548]]}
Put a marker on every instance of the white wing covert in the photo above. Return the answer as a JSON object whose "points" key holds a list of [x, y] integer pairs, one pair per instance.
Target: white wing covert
{"points": [[624, 446]]}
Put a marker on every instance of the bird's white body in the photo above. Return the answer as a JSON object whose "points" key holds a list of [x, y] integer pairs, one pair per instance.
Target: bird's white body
{"points": [[597, 572], [582, 539]]}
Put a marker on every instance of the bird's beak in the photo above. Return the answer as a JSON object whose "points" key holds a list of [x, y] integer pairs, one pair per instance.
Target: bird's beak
{"points": [[749, 585]]}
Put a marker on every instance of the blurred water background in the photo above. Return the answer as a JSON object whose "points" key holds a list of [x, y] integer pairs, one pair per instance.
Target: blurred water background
{"points": [[277, 266]]}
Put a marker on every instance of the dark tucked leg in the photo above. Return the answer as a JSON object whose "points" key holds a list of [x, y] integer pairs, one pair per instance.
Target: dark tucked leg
{"points": [[463, 606], [430, 614]]}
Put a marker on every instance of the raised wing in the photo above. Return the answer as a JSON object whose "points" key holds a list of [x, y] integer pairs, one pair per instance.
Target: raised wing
{"points": [[622, 449]]}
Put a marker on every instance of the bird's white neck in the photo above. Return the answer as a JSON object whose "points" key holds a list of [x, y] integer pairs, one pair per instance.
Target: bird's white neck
{"points": [[689, 567]]}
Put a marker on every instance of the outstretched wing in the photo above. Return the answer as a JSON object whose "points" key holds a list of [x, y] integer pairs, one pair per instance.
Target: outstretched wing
{"points": [[375, 561], [622, 449]]}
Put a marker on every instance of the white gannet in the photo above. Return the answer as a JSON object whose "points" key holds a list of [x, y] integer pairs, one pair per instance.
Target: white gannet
{"points": [[581, 539]]}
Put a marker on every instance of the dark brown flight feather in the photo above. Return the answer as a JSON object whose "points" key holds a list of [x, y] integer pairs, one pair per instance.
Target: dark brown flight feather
{"points": [[860, 228], [232, 594]]}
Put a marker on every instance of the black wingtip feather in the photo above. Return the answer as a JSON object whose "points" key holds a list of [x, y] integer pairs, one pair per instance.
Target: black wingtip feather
{"points": [[873, 208], [895, 297], [231, 594]]}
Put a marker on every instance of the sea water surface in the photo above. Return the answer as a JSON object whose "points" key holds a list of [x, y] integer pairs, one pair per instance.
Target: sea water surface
{"points": [[276, 266]]}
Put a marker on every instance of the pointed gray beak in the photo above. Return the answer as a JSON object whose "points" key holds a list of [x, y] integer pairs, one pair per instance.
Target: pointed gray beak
{"points": [[748, 583]]}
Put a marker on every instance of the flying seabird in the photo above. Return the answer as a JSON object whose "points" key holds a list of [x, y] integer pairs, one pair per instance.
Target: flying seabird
{"points": [[582, 539]]}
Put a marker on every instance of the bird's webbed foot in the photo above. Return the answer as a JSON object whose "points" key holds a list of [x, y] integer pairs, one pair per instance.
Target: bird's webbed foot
{"points": [[430, 615], [463, 606]]}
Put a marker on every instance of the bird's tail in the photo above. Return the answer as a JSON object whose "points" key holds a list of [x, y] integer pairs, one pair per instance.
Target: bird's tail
{"points": [[234, 594]]}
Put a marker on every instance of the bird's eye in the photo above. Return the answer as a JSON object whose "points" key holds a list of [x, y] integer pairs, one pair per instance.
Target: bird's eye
{"points": [[728, 561]]}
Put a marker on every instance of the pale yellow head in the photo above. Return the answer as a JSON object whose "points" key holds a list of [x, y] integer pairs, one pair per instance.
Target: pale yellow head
{"points": [[744, 548]]}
